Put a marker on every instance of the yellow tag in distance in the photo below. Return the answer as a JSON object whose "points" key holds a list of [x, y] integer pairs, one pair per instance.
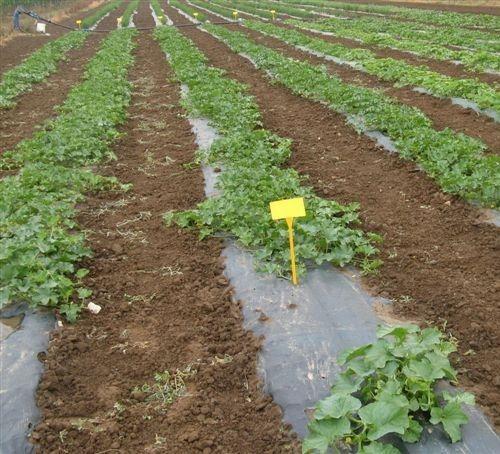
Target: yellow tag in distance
{"points": [[288, 208]]}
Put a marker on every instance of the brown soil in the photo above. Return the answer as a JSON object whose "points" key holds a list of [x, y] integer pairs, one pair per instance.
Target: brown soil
{"points": [[36, 106], [21, 46], [440, 261], [441, 111], [165, 305]]}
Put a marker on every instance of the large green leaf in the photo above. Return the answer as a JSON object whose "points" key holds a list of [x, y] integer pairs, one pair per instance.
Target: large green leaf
{"points": [[412, 434], [324, 432], [397, 331], [452, 417], [347, 383], [349, 354], [383, 417], [336, 406]]}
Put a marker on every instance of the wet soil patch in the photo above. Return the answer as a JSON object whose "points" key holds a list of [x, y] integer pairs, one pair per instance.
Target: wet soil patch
{"points": [[165, 306], [440, 260]]}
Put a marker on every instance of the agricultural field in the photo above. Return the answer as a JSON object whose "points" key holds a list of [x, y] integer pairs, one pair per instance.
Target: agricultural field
{"points": [[251, 226]]}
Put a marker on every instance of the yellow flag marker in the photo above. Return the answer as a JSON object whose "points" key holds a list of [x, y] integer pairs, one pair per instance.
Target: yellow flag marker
{"points": [[79, 23], [289, 209], [273, 12], [195, 15], [235, 14], [119, 21]]}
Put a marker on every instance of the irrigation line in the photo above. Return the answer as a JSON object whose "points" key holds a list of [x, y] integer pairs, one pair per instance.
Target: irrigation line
{"points": [[48, 21]]}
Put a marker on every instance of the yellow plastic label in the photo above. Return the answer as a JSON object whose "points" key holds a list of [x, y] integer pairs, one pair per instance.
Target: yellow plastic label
{"points": [[288, 208]]}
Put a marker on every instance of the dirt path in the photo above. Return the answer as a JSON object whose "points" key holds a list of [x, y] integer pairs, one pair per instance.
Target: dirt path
{"points": [[440, 260], [36, 106], [20, 47], [440, 111], [166, 305]]}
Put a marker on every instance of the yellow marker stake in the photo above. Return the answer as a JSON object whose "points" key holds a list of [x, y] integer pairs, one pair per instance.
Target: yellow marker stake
{"points": [[119, 22], [160, 18], [289, 209], [235, 14], [273, 12], [79, 23], [195, 15]]}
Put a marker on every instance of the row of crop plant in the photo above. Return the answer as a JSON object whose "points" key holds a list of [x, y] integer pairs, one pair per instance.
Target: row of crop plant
{"points": [[187, 9], [476, 60], [442, 35], [128, 14], [389, 69], [40, 242], [43, 62], [456, 161], [446, 18], [253, 176], [355, 29]]}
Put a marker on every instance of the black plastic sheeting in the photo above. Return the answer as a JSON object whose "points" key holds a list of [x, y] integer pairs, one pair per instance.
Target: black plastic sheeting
{"points": [[305, 328], [19, 376]]}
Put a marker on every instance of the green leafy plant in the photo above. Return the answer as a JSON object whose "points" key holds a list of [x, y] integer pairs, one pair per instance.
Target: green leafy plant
{"points": [[389, 388], [129, 12], [444, 34], [389, 69], [455, 161], [100, 13], [226, 8], [40, 241], [447, 18], [474, 59], [37, 67], [187, 9], [477, 50], [155, 4], [254, 175]]}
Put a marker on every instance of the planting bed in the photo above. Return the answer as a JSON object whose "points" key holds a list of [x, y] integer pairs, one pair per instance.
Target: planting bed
{"points": [[136, 175]]}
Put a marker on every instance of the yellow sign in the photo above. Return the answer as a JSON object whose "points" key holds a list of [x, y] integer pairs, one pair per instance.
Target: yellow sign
{"points": [[273, 12], [79, 23], [289, 209], [235, 14]]}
